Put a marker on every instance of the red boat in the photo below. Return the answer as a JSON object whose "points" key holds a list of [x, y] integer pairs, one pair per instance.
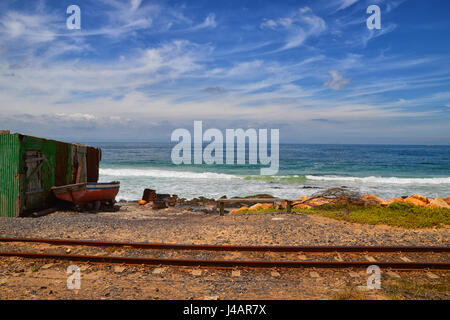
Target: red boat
{"points": [[84, 193]]}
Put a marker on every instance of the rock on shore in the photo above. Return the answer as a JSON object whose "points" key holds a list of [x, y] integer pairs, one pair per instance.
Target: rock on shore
{"points": [[366, 199]]}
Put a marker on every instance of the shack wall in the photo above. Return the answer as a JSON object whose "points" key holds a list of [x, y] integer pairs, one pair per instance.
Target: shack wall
{"points": [[30, 166], [43, 164], [9, 175]]}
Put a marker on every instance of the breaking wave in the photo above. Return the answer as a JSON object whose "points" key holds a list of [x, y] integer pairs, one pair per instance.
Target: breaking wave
{"points": [[159, 173], [388, 180], [165, 174], [293, 178]]}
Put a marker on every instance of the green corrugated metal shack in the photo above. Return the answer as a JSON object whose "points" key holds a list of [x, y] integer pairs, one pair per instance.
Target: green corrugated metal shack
{"points": [[30, 166]]}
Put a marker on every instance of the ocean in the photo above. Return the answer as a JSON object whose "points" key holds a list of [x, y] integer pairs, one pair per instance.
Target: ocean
{"points": [[385, 170]]}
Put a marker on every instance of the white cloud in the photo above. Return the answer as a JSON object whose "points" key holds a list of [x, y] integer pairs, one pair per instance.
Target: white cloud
{"points": [[245, 68], [392, 5], [75, 116], [372, 34], [135, 4], [180, 80], [33, 28], [299, 26], [69, 81], [268, 23], [210, 22], [343, 4], [337, 81]]}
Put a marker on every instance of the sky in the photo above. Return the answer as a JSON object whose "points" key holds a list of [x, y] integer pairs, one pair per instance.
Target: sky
{"points": [[138, 69]]}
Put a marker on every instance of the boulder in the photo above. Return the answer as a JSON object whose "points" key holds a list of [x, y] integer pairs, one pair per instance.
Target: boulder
{"points": [[266, 205], [418, 200], [163, 197], [159, 204], [302, 206], [421, 197], [243, 208], [173, 200], [260, 206], [149, 204], [415, 202], [371, 199], [386, 202], [319, 202], [149, 195], [438, 202], [256, 206]]}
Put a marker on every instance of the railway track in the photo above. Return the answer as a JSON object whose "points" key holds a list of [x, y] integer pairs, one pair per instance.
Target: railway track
{"points": [[406, 265]]}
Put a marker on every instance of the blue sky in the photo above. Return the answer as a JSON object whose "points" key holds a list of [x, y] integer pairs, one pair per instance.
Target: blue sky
{"points": [[139, 69]]}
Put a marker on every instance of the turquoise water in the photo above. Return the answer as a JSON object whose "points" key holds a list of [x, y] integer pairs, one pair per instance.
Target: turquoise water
{"points": [[388, 171]]}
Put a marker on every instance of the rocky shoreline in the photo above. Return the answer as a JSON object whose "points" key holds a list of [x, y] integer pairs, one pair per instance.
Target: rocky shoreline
{"points": [[338, 195]]}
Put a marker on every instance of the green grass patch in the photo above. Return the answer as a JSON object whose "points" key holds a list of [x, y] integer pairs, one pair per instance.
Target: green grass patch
{"points": [[417, 289], [349, 293], [261, 210], [397, 214]]}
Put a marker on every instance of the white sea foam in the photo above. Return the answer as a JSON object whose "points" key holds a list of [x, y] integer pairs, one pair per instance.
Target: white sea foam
{"points": [[160, 173], [388, 180], [127, 172]]}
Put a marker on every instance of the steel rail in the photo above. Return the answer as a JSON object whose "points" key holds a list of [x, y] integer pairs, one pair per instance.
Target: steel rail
{"points": [[210, 247], [231, 263]]}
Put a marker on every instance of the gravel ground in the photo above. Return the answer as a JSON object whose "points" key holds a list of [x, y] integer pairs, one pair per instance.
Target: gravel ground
{"points": [[46, 279], [177, 225], [40, 279]]}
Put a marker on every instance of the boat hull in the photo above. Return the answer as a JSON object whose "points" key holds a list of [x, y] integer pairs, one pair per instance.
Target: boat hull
{"points": [[83, 193]]}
